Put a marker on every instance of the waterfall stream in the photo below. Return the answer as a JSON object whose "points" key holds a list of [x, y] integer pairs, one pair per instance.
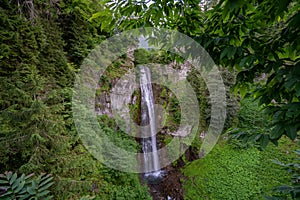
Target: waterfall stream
{"points": [[150, 160]]}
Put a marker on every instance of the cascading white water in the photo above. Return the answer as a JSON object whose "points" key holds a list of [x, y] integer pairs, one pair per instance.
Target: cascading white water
{"points": [[151, 161]]}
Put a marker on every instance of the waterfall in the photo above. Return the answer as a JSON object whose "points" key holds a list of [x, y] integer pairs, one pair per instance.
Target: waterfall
{"points": [[151, 161]]}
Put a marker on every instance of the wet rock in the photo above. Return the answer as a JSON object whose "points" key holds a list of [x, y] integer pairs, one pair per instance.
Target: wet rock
{"points": [[169, 187]]}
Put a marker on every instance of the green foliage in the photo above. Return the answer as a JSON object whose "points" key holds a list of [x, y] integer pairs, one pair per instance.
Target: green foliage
{"points": [[292, 189], [126, 192], [110, 184], [230, 173], [224, 174], [252, 130], [173, 117], [79, 32], [252, 115], [272, 174], [253, 125], [80, 174], [143, 56], [116, 135], [34, 77], [202, 93], [25, 187]]}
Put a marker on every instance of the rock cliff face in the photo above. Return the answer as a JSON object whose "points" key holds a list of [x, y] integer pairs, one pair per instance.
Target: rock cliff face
{"points": [[103, 104], [124, 93], [117, 86]]}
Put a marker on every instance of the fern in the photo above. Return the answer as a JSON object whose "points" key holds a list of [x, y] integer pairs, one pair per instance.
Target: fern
{"points": [[25, 187]]}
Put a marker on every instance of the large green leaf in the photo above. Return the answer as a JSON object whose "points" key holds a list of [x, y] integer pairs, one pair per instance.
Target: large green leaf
{"points": [[277, 132], [291, 132]]}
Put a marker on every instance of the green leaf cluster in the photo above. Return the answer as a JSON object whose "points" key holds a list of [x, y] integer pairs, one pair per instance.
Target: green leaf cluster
{"points": [[293, 188]]}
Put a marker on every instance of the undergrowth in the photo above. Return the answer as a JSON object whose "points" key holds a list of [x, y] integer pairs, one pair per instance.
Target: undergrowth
{"points": [[231, 173]]}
